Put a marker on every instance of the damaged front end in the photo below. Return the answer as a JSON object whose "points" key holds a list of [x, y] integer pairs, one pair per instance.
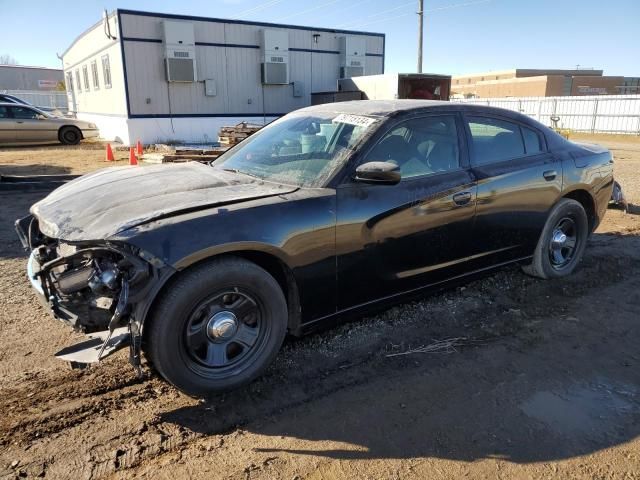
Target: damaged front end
{"points": [[96, 288]]}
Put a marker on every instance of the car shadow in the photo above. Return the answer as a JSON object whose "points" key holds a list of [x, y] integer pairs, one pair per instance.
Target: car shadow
{"points": [[32, 169], [15, 204], [547, 389], [459, 418]]}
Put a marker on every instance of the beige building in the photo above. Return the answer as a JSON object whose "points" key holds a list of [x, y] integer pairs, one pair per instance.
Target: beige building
{"points": [[522, 82]]}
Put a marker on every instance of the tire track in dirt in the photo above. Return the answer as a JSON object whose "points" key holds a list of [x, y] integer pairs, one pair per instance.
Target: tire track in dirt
{"points": [[106, 395]]}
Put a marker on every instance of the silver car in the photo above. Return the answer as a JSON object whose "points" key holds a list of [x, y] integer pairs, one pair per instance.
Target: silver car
{"points": [[23, 124]]}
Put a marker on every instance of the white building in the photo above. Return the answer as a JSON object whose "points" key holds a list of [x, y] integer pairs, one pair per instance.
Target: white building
{"points": [[158, 77]]}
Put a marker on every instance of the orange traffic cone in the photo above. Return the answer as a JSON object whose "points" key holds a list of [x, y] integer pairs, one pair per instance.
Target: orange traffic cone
{"points": [[132, 157], [109, 154], [139, 151]]}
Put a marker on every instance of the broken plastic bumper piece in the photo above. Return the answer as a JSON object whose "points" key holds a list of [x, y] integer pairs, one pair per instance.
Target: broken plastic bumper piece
{"points": [[89, 351]]}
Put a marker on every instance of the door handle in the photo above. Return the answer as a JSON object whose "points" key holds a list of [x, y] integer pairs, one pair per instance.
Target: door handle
{"points": [[462, 198], [550, 175], [19, 121]]}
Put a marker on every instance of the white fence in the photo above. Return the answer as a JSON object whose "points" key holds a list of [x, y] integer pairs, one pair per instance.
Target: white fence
{"points": [[40, 98], [601, 114]]}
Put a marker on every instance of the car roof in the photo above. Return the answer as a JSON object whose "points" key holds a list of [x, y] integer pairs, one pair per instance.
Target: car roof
{"points": [[393, 108], [388, 108], [11, 104], [381, 108]]}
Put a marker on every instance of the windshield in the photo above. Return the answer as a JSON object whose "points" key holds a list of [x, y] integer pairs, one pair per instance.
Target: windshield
{"points": [[301, 149]]}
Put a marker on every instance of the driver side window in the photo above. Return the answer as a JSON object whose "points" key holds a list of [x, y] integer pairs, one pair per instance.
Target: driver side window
{"points": [[421, 146], [24, 113]]}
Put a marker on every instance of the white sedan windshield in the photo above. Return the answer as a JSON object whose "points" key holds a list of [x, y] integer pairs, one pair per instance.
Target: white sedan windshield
{"points": [[299, 149]]}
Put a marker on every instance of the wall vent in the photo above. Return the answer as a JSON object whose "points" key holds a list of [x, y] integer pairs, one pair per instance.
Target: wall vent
{"points": [[179, 51], [274, 45], [352, 56], [349, 72]]}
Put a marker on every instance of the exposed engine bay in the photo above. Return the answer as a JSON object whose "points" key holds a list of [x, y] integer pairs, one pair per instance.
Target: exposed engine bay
{"points": [[90, 287]]}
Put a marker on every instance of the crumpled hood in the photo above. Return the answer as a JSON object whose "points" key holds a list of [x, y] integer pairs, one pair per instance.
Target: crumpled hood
{"points": [[103, 203]]}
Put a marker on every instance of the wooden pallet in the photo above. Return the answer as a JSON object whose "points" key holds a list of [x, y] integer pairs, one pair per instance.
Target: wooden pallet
{"points": [[232, 135]]}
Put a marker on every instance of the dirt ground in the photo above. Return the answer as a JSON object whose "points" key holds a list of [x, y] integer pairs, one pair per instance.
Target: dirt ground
{"points": [[545, 383]]}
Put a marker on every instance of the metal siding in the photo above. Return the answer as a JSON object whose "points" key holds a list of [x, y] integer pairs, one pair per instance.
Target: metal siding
{"points": [[27, 78], [235, 69], [146, 78], [212, 63], [243, 80], [325, 72], [375, 45], [372, 65], [104, 100]]}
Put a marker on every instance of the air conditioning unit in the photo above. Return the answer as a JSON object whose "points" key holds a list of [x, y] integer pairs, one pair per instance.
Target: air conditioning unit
{"points": [[352, 56], [179, 51], [274, 45]]}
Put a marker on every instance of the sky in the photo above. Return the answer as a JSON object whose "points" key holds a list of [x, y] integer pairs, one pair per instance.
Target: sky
{"points": [[460, 36]]}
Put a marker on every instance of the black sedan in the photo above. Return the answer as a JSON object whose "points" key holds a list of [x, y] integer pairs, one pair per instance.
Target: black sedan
{"points": [[332, 209]]}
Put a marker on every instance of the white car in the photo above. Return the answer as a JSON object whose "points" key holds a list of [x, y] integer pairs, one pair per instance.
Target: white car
{"points": [[23, 124]]}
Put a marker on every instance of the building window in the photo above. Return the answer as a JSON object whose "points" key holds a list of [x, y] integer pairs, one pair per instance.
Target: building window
{"points": [[106, 71], [85, 75], [70, 82], [94, 75], [78, 84]]}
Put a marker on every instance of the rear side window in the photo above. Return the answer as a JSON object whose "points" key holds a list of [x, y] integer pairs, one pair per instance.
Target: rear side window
{"points": [[531, 141], [4, 112], [494, 140]]}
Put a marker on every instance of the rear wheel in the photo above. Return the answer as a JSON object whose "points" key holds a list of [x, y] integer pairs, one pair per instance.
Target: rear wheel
{"points": [[561, 245], [217, 327], [70, 135]]}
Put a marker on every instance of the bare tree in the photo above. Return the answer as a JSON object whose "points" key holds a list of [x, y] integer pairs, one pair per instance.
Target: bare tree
{"points": [[6, 59]]}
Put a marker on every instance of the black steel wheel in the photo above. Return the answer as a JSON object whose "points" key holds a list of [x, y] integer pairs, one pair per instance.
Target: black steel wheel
{"points": [[217, 327], [70, 135], [224, 331], [561, 245]]}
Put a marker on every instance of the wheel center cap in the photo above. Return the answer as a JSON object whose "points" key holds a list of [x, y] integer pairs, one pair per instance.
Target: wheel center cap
{"points": [[559, 238], [222, 326]]}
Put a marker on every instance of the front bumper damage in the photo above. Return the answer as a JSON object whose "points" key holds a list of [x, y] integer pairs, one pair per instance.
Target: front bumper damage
{"points": [[98, 288]]}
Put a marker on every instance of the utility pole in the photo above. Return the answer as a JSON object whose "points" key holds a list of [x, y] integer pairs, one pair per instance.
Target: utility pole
{"points": [[420, 15]]}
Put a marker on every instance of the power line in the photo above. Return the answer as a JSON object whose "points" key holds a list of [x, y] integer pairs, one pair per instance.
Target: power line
{"points": [[258, 7], [457, 5], [312, 9], [397, 7], [445, 7], [386, 19]]}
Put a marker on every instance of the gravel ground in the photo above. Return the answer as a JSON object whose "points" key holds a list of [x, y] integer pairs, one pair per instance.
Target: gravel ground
{"points": [[546, 382]]}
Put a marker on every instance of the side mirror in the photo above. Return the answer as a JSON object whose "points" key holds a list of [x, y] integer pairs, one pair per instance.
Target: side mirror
{"points": [[41, 117], [385, 173]]}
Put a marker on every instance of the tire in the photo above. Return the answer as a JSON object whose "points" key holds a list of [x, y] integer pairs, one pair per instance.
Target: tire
{"points": [[554, 256], [217, 327], [70, 135]]}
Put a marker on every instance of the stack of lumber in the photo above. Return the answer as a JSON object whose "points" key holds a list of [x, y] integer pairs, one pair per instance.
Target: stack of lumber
{"points": [[166, 154], [232, 135]]}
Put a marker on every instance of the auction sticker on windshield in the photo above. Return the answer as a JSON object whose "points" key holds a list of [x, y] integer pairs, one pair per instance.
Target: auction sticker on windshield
{"points": [[358, 120]]}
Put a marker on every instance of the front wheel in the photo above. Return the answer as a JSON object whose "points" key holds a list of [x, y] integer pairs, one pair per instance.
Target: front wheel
{"points": [[217, 327], [70, 135], [561, 245]]}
